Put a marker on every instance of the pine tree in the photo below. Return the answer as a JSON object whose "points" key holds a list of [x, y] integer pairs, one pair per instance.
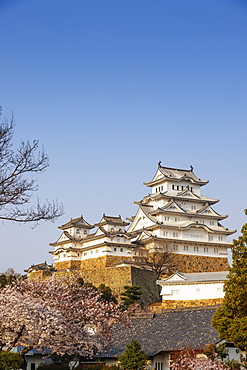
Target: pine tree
{"points": [[131, 295], [230, 319], [133, 358]]}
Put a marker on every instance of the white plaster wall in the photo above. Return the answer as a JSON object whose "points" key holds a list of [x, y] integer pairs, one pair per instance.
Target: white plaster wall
{"points": [[161, 358], [191, 291]]}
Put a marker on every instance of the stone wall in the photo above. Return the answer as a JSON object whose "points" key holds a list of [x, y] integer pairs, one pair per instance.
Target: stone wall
{"points": [[70, 264], [166, 304], [103, 271], [192, 263], [187, 263]]}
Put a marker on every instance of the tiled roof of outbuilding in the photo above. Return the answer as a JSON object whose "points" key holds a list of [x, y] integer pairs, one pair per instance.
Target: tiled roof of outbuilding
{"points": [[172, 330]]}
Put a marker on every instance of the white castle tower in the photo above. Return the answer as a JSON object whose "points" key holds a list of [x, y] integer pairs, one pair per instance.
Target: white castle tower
{"points": [[177, 216]]}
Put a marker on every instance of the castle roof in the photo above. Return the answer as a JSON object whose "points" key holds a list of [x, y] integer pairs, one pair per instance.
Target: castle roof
{"points": [[40, 267], [78, 222], [112, 220], [185, 195], [171, 330], [174, 174], [198, 277]]}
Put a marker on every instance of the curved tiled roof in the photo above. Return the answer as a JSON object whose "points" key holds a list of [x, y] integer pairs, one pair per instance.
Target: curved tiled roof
{"points": [[176, 174], [76, 222], [172, 330]]}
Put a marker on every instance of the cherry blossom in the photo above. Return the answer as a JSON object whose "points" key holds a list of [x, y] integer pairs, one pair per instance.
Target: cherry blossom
{"points": [[58, 314]]}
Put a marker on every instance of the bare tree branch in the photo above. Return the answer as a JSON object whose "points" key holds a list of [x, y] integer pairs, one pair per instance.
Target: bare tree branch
{"points": [[16, 182], [160, 259]]}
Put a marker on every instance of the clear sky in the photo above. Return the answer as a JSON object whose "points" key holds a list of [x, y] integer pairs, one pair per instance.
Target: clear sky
{"points": [[111, 87]]}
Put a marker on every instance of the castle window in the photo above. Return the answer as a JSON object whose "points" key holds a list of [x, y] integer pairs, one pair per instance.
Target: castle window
{"points": [[186, 248], [120, 230], [158, 365], [196, 249], [77, 231], [193, 207], [161, 188], [166, 218], [97, 251], [91, 252], [112, 230], [173, 187], [216, 250], [85, 253], [220, 238], [121, 249], [211, 222], [165, 233], [64, 255], [175, 247], [205, 249], [176, 219], [210, 237], [198, 290], [175, 235], [175, 291], [115, 249], [85, 231]]}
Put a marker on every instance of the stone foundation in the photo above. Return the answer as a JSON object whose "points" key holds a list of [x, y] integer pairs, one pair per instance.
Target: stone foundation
{"points": [[167, 304], [190, 263]]}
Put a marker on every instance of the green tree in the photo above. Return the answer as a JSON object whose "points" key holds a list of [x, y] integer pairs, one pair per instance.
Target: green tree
{"points": [[230, 319], [107, 294], [10, 360], [133, 358], [131, 295]]}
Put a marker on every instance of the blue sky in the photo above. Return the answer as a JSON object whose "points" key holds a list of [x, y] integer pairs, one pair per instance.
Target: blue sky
{"points": [[112, 87]]}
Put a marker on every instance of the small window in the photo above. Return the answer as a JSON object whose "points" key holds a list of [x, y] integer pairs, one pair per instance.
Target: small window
{"points": [[97, 251], [175, 235], [121, 249], [196, 249], [173, 187], [112, 230], [85, 253], [32, 365], [158, 365], [198, 290], [64, 255], [216, 250], [85, 231], [205, 249], [120, 230], [220, 238], [91, 252], [175, 291], [210, 238], [211, 222], [176, 219], [166, 218], [186, 248], [77, 231], [193, 208], [115, 249]]}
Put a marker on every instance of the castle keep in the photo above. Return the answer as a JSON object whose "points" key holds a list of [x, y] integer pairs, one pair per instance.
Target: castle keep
{"points": [[174, 216]]}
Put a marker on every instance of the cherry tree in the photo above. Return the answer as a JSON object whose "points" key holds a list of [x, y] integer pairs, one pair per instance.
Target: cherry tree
{"points": [[57, 313], [187, 360]]}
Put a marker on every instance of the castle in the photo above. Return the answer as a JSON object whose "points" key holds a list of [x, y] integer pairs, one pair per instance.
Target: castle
{"points": [[175, 216]]}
